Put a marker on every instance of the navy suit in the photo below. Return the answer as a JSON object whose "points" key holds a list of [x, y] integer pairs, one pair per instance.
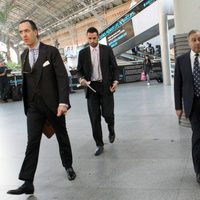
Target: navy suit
{"points": [[184, 94]]}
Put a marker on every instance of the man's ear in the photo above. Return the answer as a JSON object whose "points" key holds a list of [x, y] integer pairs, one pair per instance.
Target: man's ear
{"points": [[36, 33]]}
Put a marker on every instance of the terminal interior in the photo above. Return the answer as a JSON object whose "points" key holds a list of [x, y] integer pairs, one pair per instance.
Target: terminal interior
{"points": [[151, 157]]}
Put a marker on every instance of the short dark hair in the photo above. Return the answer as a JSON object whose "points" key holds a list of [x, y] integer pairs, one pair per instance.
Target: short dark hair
{"points": [[32, 23], [92, 30], [193, 31]]}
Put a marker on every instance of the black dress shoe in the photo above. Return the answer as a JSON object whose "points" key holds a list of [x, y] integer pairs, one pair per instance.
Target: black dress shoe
{"points": [[99, 151], [26, 188], [111, 134], [71, 175], [111, 138], [198, 178]]}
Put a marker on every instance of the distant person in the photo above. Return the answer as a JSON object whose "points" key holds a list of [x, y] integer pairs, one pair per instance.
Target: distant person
{"points": [[97, 66], [137, 48], [150, 49], [4, 82], [187, 92], [69, 74], [158, 50], [147, 67], [46, 97], [142, 47], [147, 47], [134, 51]]}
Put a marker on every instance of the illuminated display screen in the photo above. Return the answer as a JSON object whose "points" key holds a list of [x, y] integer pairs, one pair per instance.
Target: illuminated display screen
{"points": [[116, 25], [120, 35], [122, 29]]}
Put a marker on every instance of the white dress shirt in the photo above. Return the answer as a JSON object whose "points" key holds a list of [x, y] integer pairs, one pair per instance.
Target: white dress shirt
{"points": [[95, 58], [33, 54], [192, 57]]}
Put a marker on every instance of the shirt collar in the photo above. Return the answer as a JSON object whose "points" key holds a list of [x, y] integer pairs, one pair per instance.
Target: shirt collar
{"points": [[36, 47], [92, 48], [192, 53]]}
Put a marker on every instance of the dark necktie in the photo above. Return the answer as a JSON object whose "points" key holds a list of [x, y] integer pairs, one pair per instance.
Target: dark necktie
{"points": [[196, 76]]}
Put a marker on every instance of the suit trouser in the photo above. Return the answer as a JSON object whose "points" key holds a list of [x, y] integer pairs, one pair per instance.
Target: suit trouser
{"points": [[195, 123], [100, 103], [36, 116]]}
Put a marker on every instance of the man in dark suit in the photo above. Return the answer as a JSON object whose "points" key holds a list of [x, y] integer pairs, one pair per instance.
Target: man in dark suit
{"points": [[97, 68], [46, 97], [187, 91]]}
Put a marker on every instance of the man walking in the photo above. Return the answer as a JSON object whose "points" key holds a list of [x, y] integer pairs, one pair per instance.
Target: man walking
{"points": [[46, 97], [187, 90], [97, 66]]}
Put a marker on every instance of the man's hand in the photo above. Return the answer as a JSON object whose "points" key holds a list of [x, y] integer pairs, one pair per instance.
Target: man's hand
{"points": [[114, 86], [62, 109], [179, 113], [83, 82]]}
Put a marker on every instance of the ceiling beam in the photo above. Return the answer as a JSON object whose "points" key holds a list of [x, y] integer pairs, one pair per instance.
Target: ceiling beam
{"points": [[91, 9], [44, 9]]}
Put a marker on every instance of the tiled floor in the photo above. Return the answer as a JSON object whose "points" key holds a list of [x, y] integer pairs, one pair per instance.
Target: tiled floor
{"points": [[150, 159]]}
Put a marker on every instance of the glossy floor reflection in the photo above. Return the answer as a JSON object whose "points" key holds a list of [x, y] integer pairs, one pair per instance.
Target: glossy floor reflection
{"points": [[150, 159]]}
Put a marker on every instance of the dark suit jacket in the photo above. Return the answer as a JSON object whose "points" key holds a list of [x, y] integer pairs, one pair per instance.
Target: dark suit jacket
{"points": [[183, 84], [108, 65], [51, 81]]}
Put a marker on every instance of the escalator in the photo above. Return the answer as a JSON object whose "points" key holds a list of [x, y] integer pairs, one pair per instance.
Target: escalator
{"points": [[138, 25]]}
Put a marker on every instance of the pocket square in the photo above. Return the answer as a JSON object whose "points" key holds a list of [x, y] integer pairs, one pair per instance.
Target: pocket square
{"points": [[46, 63]]}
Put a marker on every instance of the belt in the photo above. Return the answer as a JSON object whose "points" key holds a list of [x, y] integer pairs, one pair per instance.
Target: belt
{"points": [[97, 81]]}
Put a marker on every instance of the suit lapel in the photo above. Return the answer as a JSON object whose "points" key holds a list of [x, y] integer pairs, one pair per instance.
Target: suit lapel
{"points": [[39, 63], [24, 59], [41, 59], [188, 64], [101, 56]]}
